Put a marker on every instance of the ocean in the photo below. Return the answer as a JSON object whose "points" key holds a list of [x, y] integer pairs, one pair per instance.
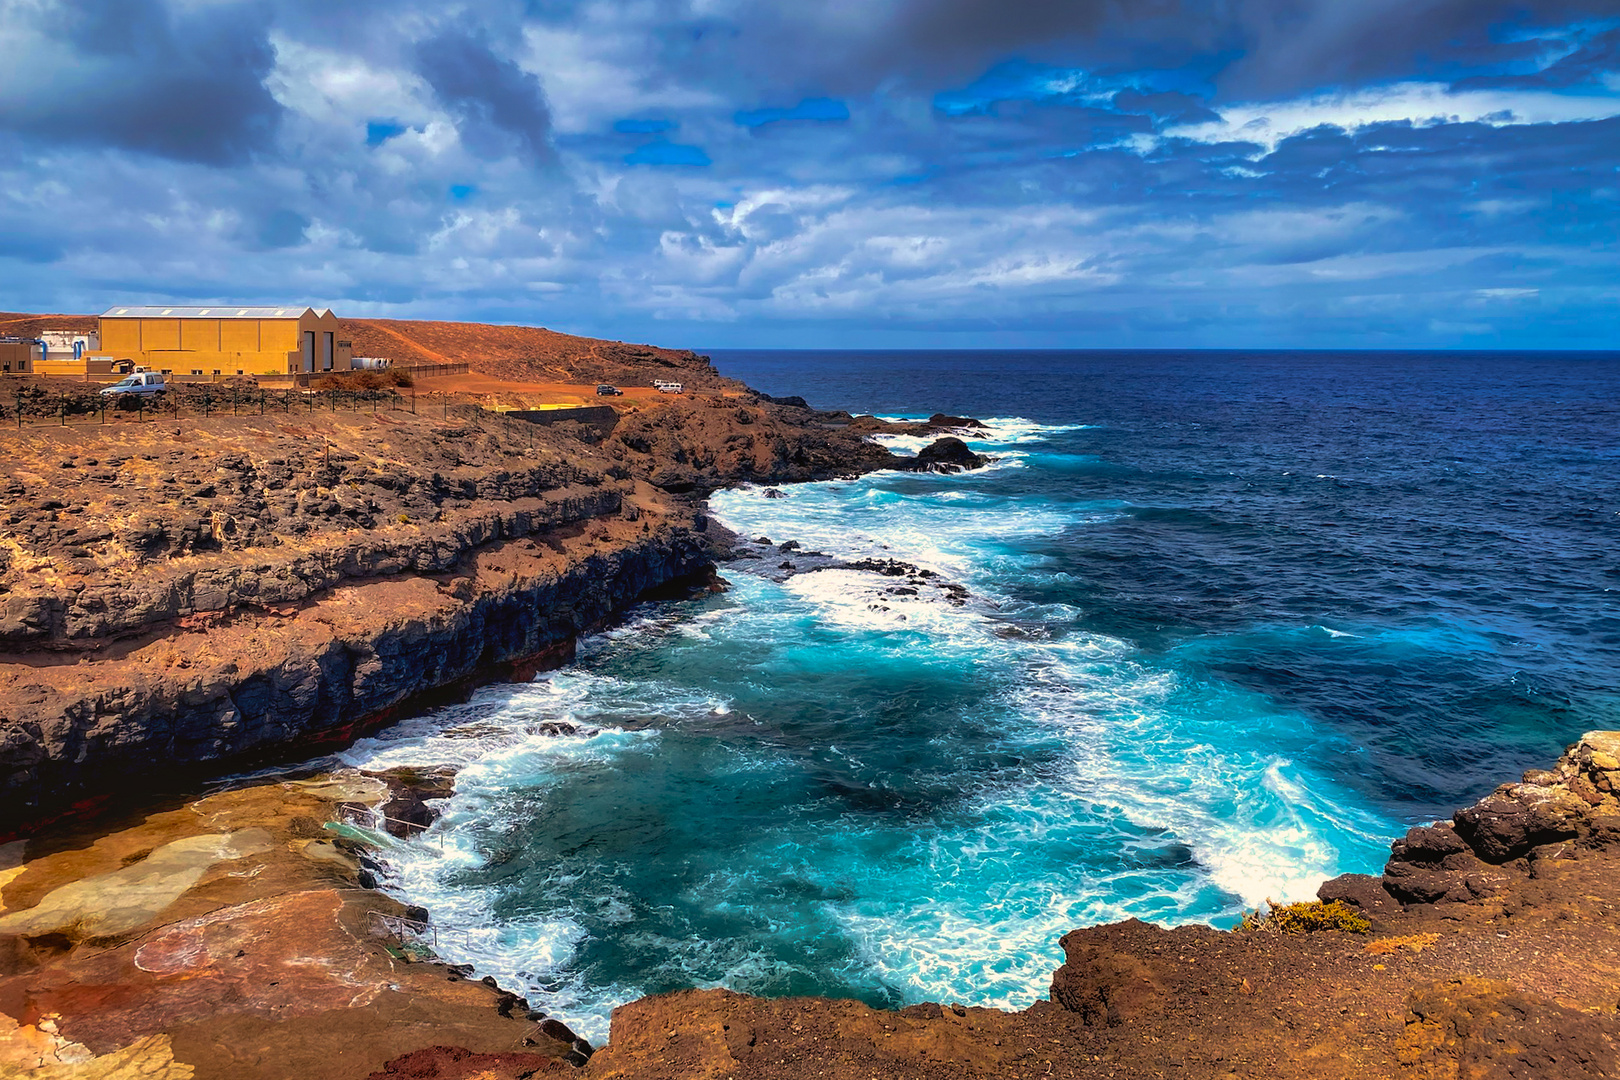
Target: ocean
{"points": [[1232, 622]]}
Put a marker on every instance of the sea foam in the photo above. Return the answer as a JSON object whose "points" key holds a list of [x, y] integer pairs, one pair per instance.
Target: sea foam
{"points": [[834, 784]]}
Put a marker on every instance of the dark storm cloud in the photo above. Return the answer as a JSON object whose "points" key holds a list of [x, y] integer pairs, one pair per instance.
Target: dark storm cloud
{"points": [[1125, 172], [132, 74], [1259, 48], [498, 106], [1590, 59], [1295, 45]]}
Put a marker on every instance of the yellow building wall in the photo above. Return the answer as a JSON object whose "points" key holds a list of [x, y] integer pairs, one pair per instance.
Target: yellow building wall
{"points": [[69, 366], [199, 335], [239, 335], [278, 335], [160, 334], [121, 336], [226, 363], [228, 346]]}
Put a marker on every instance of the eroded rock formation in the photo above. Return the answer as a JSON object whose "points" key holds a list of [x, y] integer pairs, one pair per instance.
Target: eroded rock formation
{"points": [[222, 590]]}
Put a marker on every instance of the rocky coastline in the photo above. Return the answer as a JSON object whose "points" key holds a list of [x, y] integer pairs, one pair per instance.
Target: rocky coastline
{"points": [[242, 935], [183, 601], [228, 591]]}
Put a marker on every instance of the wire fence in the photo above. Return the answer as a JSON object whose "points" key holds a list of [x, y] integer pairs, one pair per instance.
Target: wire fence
{"points": [[427, 371], [66, 410]]}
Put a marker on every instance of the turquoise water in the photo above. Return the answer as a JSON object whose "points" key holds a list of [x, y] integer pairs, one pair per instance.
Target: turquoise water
{"points": [[1166, 695]]}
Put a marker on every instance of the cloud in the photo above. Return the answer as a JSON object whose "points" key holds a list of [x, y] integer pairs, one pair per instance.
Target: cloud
{"points": [[727, 172], [496, 103], [137, 75], [1266, 123]]}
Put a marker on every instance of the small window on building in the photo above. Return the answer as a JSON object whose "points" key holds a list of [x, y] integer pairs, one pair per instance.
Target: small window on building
{"points": [[196, 371], [239, 371], [216, 371]]}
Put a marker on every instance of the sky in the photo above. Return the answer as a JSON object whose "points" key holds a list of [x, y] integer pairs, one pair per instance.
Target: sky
{"points": [[840, 174]]}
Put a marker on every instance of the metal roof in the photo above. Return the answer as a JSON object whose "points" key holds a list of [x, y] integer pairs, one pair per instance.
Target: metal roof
{"points": [[217, 311]]}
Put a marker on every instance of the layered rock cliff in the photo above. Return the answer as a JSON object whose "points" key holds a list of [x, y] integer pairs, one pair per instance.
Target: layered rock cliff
{"points": [[200, 593]]}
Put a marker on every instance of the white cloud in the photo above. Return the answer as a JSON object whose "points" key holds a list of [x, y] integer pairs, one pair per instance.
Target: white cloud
{"points": [[1268, 123]]}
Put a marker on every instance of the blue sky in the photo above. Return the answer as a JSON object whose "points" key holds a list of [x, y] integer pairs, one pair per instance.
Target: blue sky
{"points": [[885, 173]]}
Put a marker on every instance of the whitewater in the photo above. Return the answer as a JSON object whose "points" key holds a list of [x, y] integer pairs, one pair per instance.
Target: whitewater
{"points": [[1226, 624], [823, 785]]}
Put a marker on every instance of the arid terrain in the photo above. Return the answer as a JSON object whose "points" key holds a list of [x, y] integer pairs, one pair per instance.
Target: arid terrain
{"points": [[508, 353], [193, 596]]}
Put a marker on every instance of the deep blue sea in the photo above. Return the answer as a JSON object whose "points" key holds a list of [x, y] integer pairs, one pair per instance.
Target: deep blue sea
{"points": [[1235, 621]]}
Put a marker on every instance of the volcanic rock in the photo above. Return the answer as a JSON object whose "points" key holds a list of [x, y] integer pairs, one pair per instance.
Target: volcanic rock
{"points": [[943, 420], [947, 455], [1486, 1029]]}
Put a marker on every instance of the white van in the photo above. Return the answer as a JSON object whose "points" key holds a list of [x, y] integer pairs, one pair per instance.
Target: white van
{"points": [[142, 382]]}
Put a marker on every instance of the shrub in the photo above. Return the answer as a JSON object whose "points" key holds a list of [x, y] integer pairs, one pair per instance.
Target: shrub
{"points": [[364, 379], [1307, 918]]}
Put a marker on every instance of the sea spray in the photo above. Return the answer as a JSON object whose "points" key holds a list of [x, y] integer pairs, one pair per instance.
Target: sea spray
{"points": [[844, 784]]}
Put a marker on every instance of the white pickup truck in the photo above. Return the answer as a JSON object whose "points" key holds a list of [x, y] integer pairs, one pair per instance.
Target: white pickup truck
{"points": [[142, 382]]}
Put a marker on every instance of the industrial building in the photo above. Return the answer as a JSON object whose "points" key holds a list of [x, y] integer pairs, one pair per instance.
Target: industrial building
{"points": [[64, 352], [222, 340], [17, 355]]}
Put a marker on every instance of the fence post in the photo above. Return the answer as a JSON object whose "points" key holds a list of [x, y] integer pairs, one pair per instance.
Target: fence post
{"points": [[64, 410]]}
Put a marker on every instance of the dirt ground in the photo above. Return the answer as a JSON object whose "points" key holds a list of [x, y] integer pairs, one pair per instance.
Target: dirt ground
{"points": [[491, 390]]}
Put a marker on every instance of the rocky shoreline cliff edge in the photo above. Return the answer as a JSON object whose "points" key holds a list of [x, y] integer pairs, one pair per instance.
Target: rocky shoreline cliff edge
{"points": [[185, 599]]}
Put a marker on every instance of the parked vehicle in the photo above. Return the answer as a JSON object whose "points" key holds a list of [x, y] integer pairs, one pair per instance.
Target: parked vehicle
{"points": [[141, 382], [604, 390], [667, 387]]}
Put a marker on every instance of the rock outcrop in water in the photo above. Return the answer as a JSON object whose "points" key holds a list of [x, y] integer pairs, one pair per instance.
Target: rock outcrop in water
{"points": [[947, 455], [1552, 814]]}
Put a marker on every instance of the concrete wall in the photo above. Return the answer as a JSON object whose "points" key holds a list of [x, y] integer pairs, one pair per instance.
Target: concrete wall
{"points": [[601, 417]]}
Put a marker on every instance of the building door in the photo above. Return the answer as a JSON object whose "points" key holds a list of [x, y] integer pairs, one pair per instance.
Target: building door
{"points": [[309, 350], [326, 350]]}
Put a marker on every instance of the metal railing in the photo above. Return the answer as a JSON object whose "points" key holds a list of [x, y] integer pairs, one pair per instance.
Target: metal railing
{"points": [[398, 926], [369, 817]]}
